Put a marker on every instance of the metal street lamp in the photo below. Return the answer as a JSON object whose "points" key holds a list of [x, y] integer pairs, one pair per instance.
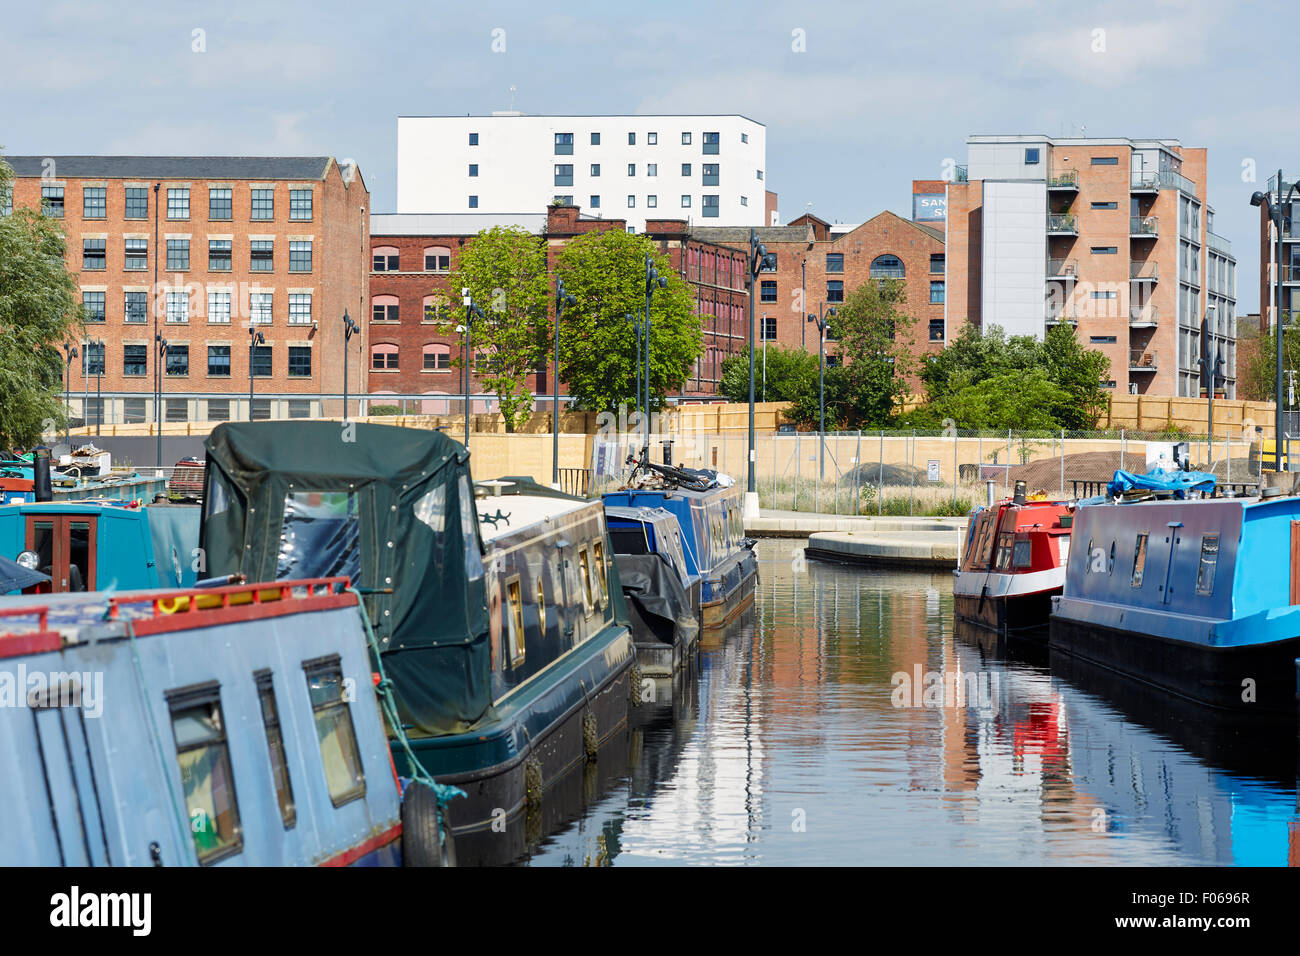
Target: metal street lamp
{"points": [[70, 351], [99, 378], [652, 281], [1274, 211], [350, 328], [255, 338], [822, 319], [562, 299], [1211, 361], [470, 310], [161, 344], [757, 259]]}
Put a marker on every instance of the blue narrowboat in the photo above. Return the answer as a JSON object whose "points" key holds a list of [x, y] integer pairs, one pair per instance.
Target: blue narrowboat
{"points": [[234, 726], [496, 610], [1199, 597], [715, 548]]}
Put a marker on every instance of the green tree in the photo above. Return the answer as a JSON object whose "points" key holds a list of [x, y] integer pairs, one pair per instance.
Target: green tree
{"points": [[1079, 372], [790, 372], [1257, 364], [1019, 399], [505, 271], [39, 311], [605, 273]]}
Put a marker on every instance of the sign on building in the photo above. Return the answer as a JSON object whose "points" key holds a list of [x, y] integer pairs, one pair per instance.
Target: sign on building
{"points": [[929, 207]]}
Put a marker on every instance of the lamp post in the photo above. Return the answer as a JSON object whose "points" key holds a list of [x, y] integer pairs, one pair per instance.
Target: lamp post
{"points": [[1274, 211], [821, 320], [255, 338], [99, 376], [470, 310], [350, 328], [161, 345], [653, 280], [70, 351], [562, 299], [1210, 361], [757, 259]]}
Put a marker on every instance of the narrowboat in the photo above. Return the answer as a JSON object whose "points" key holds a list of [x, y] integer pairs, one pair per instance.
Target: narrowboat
{"points": [[233, 726], [708, 509], [1199, 597], [663, 598], [1012, 564], [497, 612]]}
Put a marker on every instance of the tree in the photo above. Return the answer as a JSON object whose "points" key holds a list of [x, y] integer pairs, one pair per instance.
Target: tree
{"points": [[39, 311], [791, 372], [1257, 365], [505, 271], [605, 273], [1019, 399]]}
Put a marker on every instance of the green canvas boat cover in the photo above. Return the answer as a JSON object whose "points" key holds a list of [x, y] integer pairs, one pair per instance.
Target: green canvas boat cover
{"points": [[393, 508]]}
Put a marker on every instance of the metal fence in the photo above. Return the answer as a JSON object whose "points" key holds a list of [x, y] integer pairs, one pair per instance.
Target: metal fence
{"points": [[923, 473]]}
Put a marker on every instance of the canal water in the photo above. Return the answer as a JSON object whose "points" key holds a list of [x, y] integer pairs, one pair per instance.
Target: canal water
{"points": [[806, 736]]}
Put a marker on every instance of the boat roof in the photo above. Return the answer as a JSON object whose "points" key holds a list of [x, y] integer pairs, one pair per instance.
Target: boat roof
{"points": [[521, 511]]}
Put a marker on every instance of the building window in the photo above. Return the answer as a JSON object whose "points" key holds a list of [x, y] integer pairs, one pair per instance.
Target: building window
{"points": [[686, 169], [137, 202], [595, 169], [263, 204], [344, 779], [218, 307], [887, 267], [711, 141], [652, 139], [52, 201], [631, 169], [834, 262], [473, 139], [384, 308], [710, 207], [178, 308], [94, 202], [219, 255], [686, 202], [631, 230], [710, 174], [744, 137], [135, 361], [299, 361], [94, 255], [1104, 250], [178, 255], [178, 203], [652, 169], [767, 291], [686, 139], [631, 202], [473, 202], [769, 329], [937, 262], [936, 330], [218, 409], [1103, 295], [92, 358], [1105, 205], [221, 203], [385, 259], [652, 201], [300, 308], [936, 291], [178, 360], [300, 408], [261, 255], [562, 201], [300, 205], [218, 361], [300, 255], [1105, 160], [1031, 156], [437, 259], [137, 308], [744, 200], [1101, 339], [437, 358], [563, 174], [563, 144], [594, 202], [261, 410], [383, 358], [595, 139], [261, 367], [259, 307], [93, 303], [631, 139], [137, 254], [835, 290], [473, 169], [199, 730]]}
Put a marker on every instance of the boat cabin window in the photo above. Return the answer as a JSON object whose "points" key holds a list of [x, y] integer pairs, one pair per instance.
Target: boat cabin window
{"points": [[986, 543], [1209, 559], [330, 702], [1139, 559], [584, 568], [1022, 553], [320, 536], [515, 621], [1004, 549], [541, 604], [275, 744], [206, 775], [602, 581]]}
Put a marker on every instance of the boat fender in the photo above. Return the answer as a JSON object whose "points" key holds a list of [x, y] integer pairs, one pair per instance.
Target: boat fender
{"points": [[424, 842], [590, 737], [634, 688], [533, 781]]}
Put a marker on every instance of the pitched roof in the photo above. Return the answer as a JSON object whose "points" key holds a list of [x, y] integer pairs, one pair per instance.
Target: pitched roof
{"points": [[740, 234], [172, 167]]}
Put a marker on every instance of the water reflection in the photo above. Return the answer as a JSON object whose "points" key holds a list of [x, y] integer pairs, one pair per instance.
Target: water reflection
{"points": [[788, 746]]}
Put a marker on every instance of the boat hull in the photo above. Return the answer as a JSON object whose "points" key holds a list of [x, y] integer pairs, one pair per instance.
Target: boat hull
{"points": [[1021, 612], [730, 591], [1215, 676]]}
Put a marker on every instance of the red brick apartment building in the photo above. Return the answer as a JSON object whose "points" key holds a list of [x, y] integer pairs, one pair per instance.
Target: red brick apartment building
{"points": [[190, 251], [412, 256]]}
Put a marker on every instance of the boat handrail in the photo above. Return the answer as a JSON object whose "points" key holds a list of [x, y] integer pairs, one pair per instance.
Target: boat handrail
{"points": [[19, 643], [175, 610]]}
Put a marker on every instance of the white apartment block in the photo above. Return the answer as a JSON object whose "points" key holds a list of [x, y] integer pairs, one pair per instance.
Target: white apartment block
{"points": [[708, 169]]}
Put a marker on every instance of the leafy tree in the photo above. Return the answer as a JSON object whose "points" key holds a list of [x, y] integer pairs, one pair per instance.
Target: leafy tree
{"points": [[791, 372], [1019, 399], [505, 271], [1079, 372], [1257, 364], [39, 311], [605, 273]]}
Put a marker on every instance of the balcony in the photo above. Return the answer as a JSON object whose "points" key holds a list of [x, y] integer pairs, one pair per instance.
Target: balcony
{"points": [[1143, 271], [1144, 318], [959, 175], [1290, 273], [1144, 182], [1142, 360], [1059, 313], [1062, 224], [1063, 270], [1064, 181], [1218, 243], [1143, 227], [1149, 182]]}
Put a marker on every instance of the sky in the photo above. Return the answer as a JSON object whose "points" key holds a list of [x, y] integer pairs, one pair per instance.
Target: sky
{"points": [[858, 98]]}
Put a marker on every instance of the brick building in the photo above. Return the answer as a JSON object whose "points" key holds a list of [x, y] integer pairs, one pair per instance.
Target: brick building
{"points": [[413, 255], [190, 251]]}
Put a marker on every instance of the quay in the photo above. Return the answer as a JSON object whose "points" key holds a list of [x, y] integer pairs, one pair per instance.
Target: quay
{"points": [[926, 544]]}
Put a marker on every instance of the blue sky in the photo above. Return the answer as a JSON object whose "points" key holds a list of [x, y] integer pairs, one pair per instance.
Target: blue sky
{"points": [[880, 95]]}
